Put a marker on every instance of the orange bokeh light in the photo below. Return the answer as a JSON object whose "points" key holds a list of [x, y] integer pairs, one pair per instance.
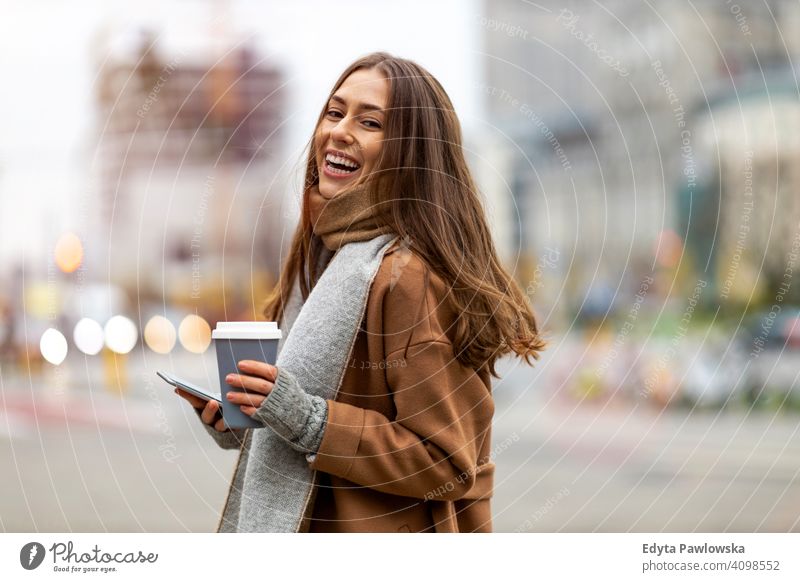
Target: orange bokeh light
{"points": [[669, 248], [69, 252]]}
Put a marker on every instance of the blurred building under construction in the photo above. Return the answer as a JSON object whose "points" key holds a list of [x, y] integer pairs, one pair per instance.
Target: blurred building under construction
{"points": [[186, 166]]}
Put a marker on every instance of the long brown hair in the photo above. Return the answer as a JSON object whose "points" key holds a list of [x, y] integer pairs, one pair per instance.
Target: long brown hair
{"points": [[422, 175]]}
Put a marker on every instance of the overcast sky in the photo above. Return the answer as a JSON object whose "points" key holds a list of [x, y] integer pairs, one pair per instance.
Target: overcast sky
{"points": [[48, 72]]}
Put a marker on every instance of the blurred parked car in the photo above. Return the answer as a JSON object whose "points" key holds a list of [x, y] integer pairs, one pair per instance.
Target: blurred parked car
{"points": [[772, 346]]}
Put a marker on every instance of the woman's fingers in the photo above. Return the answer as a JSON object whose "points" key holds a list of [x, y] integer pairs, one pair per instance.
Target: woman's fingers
{"points": [[191, 398], [251, 383], [209, 409], [262, 369], [244, 399], [220, 425], [257, 386], [248, 410], [209, 412]]}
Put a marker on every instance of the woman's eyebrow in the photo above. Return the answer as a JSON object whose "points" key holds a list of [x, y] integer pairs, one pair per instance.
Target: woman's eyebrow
{"points": [[367, 106]]}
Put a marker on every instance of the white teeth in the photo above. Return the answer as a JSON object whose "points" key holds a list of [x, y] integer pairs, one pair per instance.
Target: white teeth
{"points": [[341, 161]]}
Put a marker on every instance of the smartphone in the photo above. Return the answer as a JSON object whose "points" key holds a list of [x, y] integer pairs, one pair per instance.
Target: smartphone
{"points": [[203, 393]]}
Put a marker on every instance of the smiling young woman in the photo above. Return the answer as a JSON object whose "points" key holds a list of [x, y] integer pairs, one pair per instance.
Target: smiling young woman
{"points": [[349, 137], [396, 431]]}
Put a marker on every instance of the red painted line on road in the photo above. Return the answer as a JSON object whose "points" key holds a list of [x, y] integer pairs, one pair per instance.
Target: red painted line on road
{"points": [[120, 416]]}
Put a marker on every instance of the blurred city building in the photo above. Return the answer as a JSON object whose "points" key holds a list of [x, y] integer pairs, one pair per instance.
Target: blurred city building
{"points": [[186, 165], [632, 132]]}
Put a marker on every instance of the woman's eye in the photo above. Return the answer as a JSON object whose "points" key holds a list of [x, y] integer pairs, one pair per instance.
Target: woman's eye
{"points": [[371, 123]]}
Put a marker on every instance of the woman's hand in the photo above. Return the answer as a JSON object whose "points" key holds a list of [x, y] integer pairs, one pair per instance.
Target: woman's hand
{"points": [[209, 409], [258, 382]]}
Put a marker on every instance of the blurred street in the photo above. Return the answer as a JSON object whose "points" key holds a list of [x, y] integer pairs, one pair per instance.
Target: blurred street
{"points": [[626, 467], [88, 460]]}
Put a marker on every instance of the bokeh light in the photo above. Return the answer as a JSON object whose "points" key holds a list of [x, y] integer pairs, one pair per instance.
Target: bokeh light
{"points": [[68, 252], [53, 346], [195, 334], [41, 300], [669, 248], [88, 336], [121, 334], [159, 334]]}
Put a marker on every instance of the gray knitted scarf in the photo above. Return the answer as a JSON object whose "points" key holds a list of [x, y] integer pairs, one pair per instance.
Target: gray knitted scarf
{"points": [[273, 485]]}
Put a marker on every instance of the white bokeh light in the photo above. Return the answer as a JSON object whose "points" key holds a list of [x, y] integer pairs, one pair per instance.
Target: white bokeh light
{"points": [[88, 336], [121, 334], [53, 346]]}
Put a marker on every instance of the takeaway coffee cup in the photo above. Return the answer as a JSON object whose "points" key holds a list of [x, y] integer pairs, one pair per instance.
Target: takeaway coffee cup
{"points": [[235, 341]]}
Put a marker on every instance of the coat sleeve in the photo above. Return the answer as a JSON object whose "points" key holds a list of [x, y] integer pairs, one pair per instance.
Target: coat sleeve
{"points": [[444, 410]]}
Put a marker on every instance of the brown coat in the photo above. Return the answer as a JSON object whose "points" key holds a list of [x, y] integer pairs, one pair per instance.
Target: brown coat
{"points": [[407, 442]]}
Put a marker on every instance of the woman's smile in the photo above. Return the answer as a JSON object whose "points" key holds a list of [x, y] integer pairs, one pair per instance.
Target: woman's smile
{"points": [[338, 165]]}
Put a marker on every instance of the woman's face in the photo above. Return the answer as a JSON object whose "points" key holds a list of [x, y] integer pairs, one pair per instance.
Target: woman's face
{"points": [[350, 135]]}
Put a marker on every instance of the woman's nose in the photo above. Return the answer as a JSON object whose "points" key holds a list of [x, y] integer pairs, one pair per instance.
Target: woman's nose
{"points": [[341, 131]]}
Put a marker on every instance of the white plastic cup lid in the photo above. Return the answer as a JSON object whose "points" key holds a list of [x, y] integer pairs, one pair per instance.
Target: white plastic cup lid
{"points": [[246, 330]]}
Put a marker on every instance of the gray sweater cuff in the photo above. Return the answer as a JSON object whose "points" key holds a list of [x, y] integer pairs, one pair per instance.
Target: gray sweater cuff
{"points": [[294, 414], [229, 439]]}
